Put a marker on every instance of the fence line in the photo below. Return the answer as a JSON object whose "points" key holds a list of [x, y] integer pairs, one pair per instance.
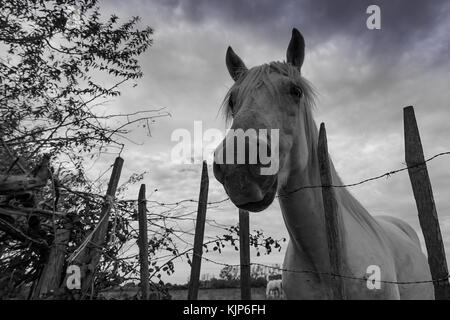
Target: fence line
{"points": [[159, 203], [328, 273], [115, 201], [326, 184], [387, 175], [363, 279]]}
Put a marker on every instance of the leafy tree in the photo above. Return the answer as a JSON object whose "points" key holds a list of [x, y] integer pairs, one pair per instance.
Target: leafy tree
{"points": [[227, 273], [59, 60]]}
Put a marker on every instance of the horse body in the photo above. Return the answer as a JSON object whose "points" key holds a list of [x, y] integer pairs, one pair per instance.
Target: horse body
{"points": [[276, 96], [274, 289], [385, 242], [380, 244]]}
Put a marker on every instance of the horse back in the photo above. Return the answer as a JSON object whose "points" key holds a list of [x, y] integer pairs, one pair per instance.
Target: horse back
{"points": [[403, 226], [410, 261]]}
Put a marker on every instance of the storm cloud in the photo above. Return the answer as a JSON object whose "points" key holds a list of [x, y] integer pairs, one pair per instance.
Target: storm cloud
{"points": [[405, 24]]}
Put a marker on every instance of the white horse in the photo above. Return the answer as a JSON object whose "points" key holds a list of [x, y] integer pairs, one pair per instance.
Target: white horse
{"points": [[274, 289], [276, 96]]}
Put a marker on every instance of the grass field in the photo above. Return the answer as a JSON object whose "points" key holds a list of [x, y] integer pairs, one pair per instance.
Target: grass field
{"points": [[203, 294], [219, 294]]}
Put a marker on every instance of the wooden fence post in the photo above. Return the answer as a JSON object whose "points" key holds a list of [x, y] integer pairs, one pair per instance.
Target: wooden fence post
{"points": [[332, 217], [423, 194], [52, 273], [199, 232], [244, 247], [143, 243], [89, 257]]}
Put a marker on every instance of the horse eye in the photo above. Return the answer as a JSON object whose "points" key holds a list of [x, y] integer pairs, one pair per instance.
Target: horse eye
{"points": [[296, 91], [231, 102]]}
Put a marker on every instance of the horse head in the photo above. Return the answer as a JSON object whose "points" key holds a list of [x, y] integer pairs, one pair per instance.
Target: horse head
{"points": [[267, 136]]}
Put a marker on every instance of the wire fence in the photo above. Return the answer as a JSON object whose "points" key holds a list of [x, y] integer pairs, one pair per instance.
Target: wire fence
{"points": [[378, 177], [335, 275], [180, 205], [330, 274]]}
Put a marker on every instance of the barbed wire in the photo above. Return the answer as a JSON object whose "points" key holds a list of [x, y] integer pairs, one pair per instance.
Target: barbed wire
{"points": [[114, 202], [386, 174], [221, 201], [331, 274]]}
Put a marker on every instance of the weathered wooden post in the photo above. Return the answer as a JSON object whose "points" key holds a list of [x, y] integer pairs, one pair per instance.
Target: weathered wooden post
{"points": [[194, 282], [423, 194], [332, 217], [244, 247], [143, 243], [89, 257], [52, 273]]}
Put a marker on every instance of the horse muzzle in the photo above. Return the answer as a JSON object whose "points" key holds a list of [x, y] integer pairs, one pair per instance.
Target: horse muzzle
{"points": [[246, 191]]}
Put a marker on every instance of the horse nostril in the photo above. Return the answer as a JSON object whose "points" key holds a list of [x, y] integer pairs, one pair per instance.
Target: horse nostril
{"points": [[218, 172]]}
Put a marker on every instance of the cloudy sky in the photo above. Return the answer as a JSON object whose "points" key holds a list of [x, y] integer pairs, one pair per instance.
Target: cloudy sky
{"points": [[364, 79]]}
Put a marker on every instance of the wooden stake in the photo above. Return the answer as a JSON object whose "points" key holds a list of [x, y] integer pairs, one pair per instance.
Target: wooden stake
{"points": [[244, 247], [143, 243], [332, 217], [89, 257], [52, 273], [426, 207], [194, 282]]}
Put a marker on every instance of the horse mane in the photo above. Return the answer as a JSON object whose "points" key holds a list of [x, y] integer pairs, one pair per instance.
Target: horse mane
{"points": [[260, 76]]}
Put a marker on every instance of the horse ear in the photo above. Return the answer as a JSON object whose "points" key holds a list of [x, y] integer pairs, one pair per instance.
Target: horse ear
{"points": [[296, 50], [234, 64]]}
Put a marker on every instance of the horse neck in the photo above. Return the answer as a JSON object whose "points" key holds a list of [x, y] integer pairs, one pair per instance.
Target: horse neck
{"points": [[303, 210]]}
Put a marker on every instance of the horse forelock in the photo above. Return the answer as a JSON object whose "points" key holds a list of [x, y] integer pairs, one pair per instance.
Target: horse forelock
{"points": [[263, 76]]}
